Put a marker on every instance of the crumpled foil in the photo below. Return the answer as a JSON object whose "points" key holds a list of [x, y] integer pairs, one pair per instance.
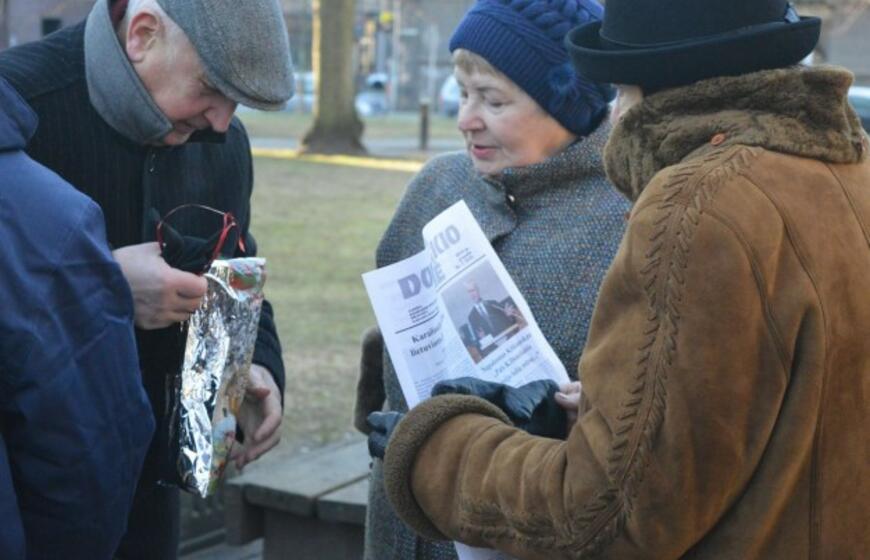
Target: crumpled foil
{"points": [[212, 382]]}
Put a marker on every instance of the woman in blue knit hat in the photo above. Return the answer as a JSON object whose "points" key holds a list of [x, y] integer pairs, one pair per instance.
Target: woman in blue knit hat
{"points": [[533, 177]]}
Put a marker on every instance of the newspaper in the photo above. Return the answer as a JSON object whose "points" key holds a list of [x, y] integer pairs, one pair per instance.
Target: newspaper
{"points": [[453, 310]]}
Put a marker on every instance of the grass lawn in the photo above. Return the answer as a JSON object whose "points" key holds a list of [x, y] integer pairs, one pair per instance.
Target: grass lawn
{"points": [[318, 225], [395, 125]]}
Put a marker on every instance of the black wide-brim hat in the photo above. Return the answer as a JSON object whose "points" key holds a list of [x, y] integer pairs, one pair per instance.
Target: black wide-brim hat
{"points": [[659, 45]]}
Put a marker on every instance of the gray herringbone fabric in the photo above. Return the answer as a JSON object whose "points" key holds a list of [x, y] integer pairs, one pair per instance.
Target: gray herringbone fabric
{"points": [[555, 225]]}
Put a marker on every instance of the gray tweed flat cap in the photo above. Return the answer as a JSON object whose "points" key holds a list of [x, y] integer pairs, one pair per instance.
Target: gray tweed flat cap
{"points": [[243, 45]]}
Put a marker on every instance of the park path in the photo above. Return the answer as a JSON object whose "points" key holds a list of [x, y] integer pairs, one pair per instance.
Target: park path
{"points": [[400, 148]]}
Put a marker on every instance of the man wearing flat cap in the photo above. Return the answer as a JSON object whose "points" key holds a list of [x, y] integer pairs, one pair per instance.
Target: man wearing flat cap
{"points": [[725, 382], [136, 110]]}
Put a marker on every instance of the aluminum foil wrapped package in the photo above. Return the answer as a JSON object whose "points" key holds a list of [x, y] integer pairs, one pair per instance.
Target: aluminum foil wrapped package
{"points": [[211, 385]]}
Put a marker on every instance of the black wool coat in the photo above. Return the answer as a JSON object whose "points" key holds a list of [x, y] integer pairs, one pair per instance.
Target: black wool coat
{"points": [[127, 179]]}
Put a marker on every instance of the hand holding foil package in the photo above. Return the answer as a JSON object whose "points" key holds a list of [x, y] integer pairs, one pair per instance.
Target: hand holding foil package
{"points": [[210, 389]]}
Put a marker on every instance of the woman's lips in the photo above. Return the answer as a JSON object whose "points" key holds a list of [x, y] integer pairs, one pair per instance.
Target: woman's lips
{"points": [[482, 152]]}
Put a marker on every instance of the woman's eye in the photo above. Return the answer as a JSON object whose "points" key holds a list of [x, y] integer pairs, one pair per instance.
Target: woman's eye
{"points": [[495, 103]]}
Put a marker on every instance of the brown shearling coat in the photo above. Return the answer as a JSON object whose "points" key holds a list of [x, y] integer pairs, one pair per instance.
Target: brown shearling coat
{"points": [[726, 377]]}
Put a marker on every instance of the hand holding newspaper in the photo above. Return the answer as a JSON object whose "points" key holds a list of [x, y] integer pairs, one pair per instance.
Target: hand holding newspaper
{"points": [[453, 310]]}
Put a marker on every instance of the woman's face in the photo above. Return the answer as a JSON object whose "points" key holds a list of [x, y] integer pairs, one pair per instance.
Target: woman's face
{"points": [[503, 127]]}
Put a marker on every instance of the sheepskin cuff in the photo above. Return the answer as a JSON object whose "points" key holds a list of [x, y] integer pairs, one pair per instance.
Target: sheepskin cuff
{"points": [[409, 437]]}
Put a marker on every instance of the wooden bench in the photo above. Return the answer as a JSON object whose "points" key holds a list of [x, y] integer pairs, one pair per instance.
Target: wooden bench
{"points": [[303, 506]]}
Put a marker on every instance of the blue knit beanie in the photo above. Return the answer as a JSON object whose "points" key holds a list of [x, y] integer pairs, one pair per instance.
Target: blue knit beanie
{"points": [[524, 39]]}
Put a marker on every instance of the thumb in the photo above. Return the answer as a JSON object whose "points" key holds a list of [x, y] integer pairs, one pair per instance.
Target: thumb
{"points": [[188, 285], [568, 402]]}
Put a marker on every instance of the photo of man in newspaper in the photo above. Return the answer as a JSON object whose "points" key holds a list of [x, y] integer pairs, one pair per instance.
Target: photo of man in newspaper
{"points": [[482, 311], [425, 306]]}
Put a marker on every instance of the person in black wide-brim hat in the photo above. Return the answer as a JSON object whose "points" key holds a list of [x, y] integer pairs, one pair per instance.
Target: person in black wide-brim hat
{"points": [[724, 380], [657, 45]]}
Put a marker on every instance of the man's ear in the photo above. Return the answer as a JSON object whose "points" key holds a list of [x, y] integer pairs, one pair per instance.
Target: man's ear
{"points": [[142, 34]]}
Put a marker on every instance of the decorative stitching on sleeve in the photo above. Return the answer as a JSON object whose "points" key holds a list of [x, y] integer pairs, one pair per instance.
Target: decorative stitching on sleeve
{"points": [[596, 525], [686, 197]]}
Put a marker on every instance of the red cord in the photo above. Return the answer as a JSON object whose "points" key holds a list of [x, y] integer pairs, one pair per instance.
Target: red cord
{"points": [[229, 224]]}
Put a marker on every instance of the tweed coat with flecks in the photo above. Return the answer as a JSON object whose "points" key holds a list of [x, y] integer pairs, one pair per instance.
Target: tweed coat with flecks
{"points": [[556, 226]]}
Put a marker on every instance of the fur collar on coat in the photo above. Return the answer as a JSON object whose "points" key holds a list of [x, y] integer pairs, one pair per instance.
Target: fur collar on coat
{"points": [[799, 111]]}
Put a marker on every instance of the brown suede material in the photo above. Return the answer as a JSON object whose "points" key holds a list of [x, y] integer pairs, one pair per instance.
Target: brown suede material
{"points": [[726, 385], [411, 434], [370, 385]]}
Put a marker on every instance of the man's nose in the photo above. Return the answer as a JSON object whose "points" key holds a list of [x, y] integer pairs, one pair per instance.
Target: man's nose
{"points": [[221, 114]]}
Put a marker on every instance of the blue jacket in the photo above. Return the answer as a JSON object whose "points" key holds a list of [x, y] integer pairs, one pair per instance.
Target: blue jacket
{"points": [[74, 416]]}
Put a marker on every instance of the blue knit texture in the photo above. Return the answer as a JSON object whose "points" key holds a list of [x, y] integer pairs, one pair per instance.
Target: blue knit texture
{"points": [[524, 39], [556, 239]]}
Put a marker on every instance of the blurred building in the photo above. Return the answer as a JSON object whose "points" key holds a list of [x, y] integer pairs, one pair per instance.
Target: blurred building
{"points": [[406, 40], [403, 41], [849, 46], [421, 55], [845, 39], [22, 21]]}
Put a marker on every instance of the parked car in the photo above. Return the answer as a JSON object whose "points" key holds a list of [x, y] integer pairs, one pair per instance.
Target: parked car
{"points": [[373, 99], [449, 97], [859, 97], [371, 102]]}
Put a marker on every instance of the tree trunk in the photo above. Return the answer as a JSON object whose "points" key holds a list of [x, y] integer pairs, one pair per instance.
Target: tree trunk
{"points": [[337, 128]]}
